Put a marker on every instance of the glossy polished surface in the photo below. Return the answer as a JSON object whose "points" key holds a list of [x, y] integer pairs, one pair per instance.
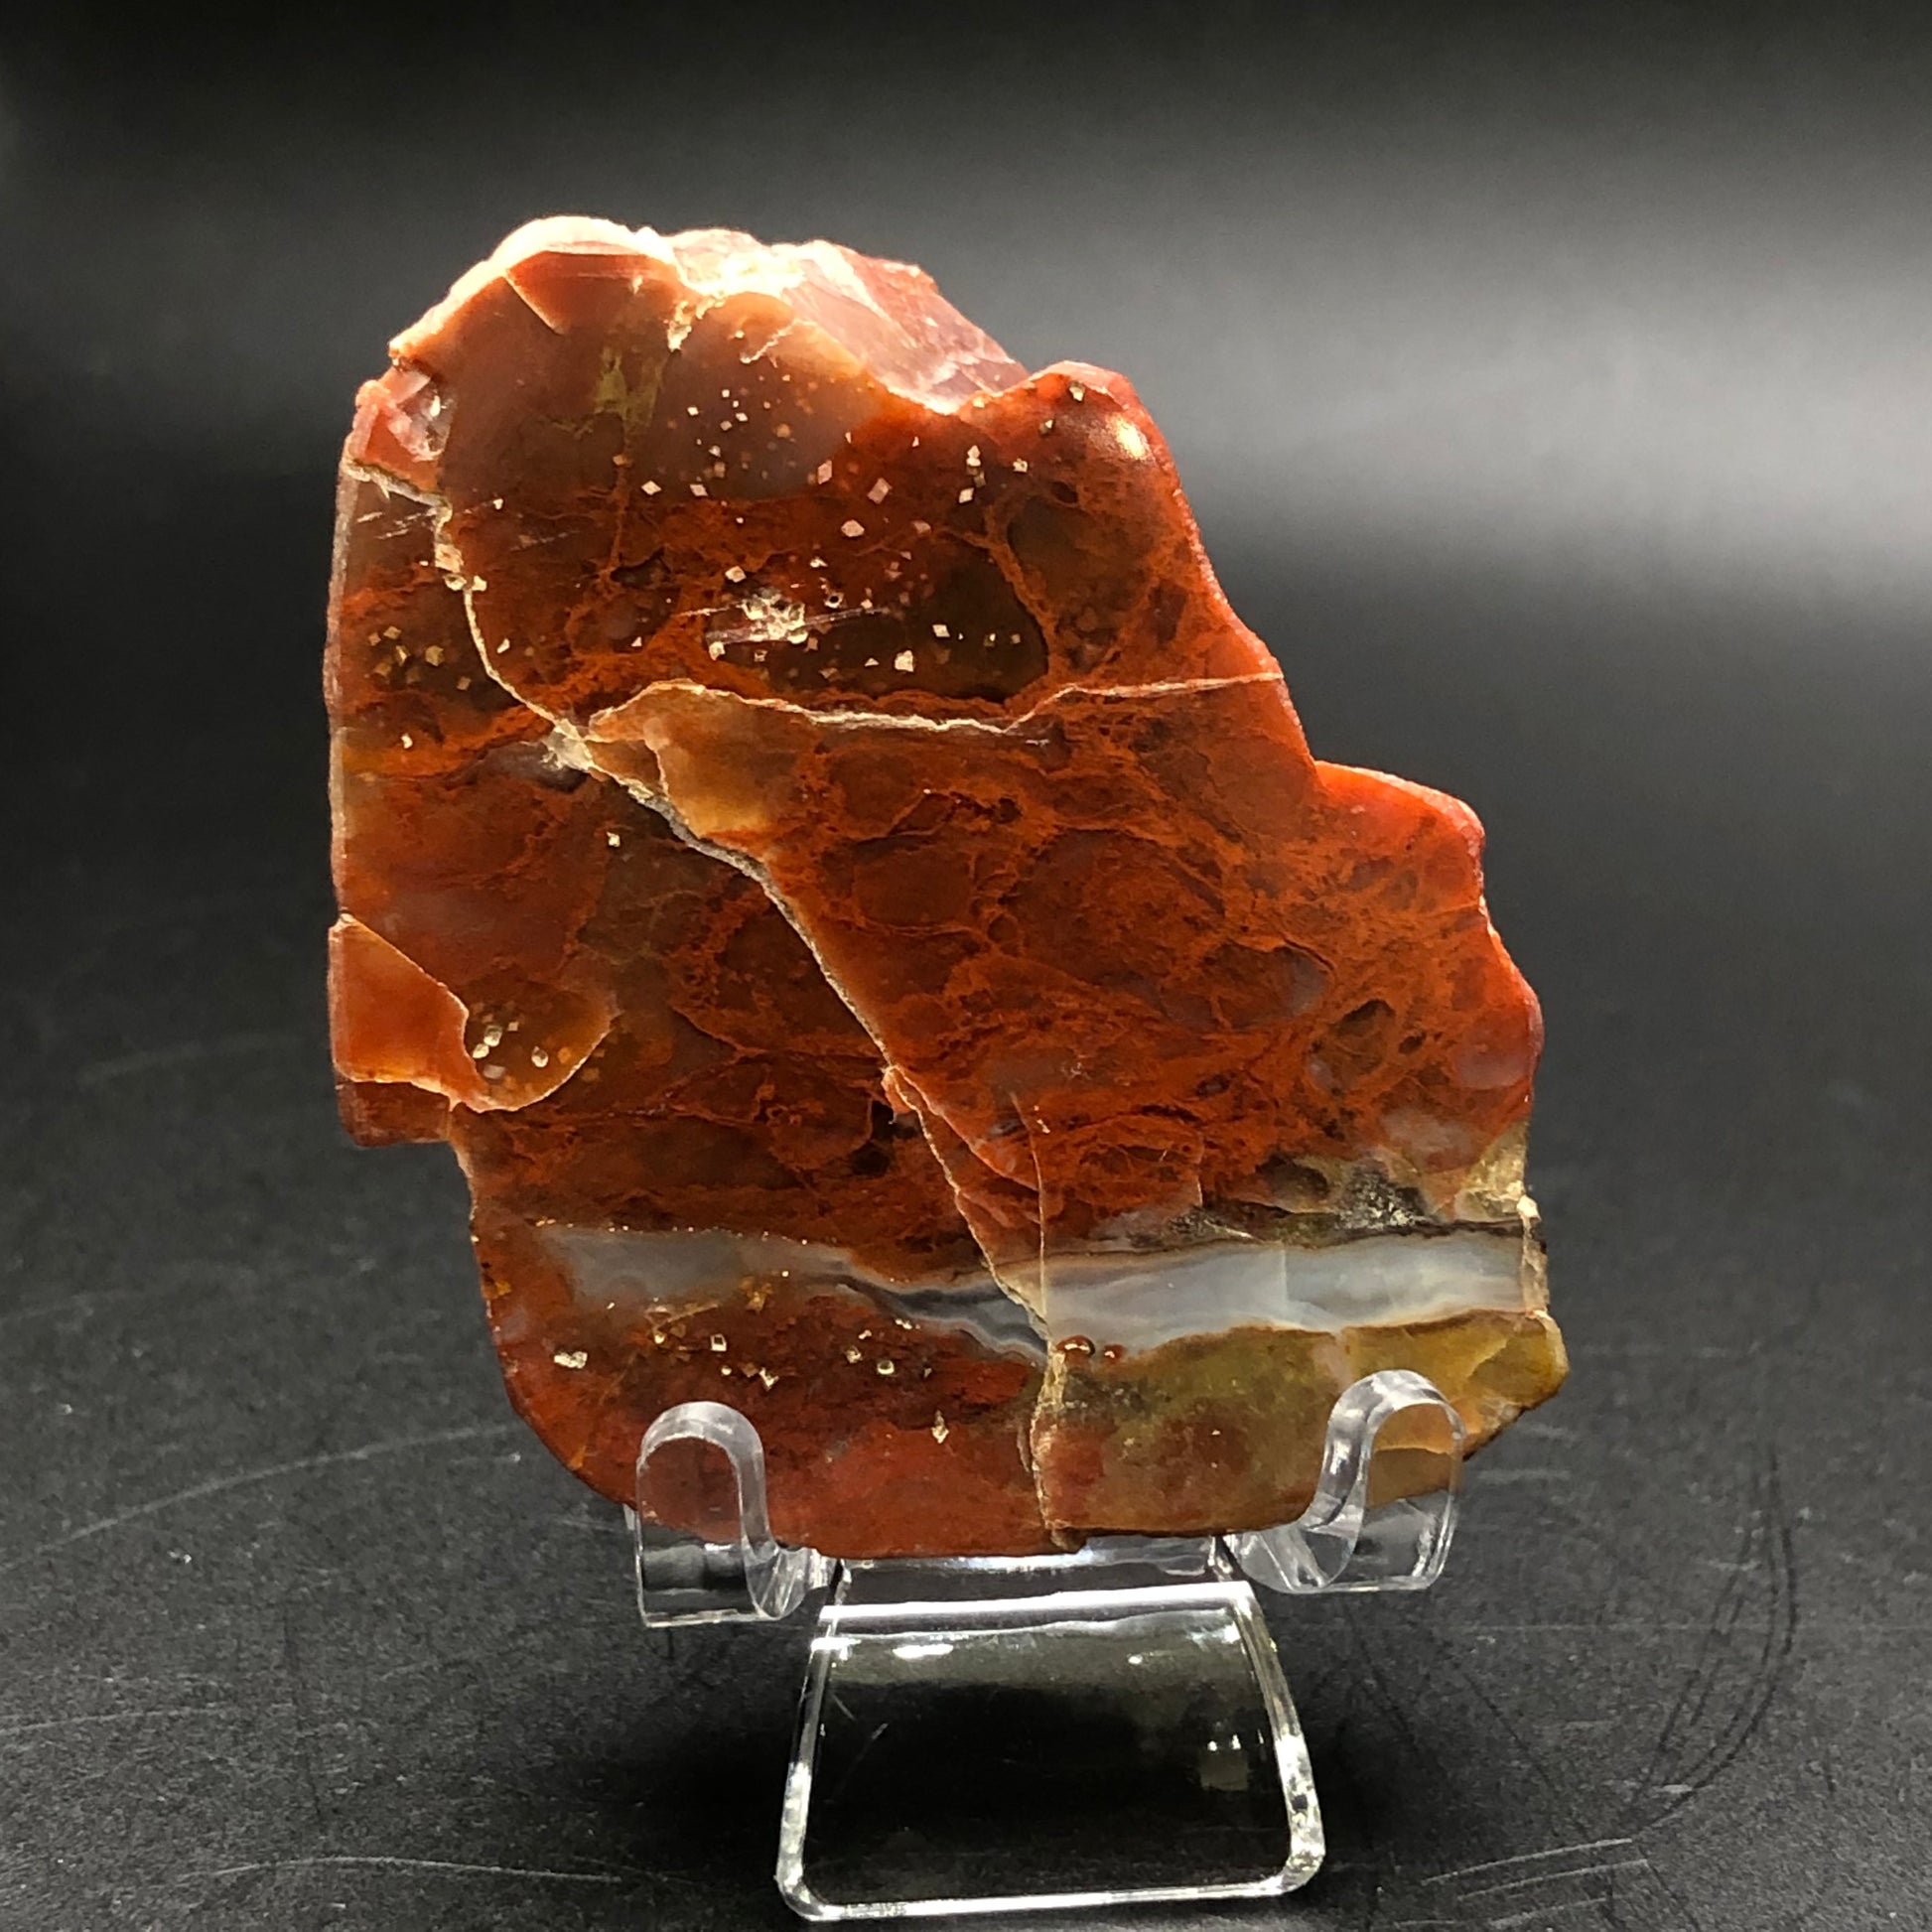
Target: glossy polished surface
{"points": [[813, 835]]}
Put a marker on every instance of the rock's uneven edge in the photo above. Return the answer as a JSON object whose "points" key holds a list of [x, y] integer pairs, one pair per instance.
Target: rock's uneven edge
{"points": [[1492, 1362]]}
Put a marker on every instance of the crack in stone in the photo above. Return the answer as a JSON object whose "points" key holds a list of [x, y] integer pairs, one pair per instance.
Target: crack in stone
{"points": [[861, 717]]}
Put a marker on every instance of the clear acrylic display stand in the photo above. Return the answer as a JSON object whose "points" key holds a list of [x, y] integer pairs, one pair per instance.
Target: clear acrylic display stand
{"points": [[1020, 1733]]}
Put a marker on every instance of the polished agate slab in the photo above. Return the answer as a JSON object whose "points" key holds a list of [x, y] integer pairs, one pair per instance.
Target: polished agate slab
{"points": [[813, 837]]}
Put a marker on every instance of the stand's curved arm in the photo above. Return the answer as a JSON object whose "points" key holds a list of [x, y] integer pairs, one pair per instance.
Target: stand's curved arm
{"points": [[1341, 1542], [681, 1580]]}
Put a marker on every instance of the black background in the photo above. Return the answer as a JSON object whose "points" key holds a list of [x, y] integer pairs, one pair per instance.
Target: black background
{"points": [[1554, 389]]}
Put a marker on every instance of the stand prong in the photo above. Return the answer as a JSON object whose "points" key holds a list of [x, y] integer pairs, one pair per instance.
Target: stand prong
{"points": [[1348, 1538], [682, 1580]]}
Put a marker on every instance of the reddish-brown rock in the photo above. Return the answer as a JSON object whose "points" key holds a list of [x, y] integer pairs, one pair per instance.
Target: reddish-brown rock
{"points": [[813, 837]]}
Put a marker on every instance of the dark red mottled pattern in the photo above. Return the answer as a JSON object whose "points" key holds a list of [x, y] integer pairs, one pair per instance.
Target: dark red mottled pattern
{"points": [[692, 599]]}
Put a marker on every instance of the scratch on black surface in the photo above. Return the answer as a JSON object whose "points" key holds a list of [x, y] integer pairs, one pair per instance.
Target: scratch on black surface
{"points": [[273, 1473], [158, 1060], [37, 1726], [1598, 1871], [456, 1866], [1756, 1610], [1542, 1914], [1526, 1857], [1393, 1707], [199, 1278], [83, 1302], [304, 1715], [1527, 1756], [1628, 1892]]}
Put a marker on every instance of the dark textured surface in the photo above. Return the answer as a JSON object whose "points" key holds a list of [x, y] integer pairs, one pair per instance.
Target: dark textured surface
{"points": [[297, 1628]]}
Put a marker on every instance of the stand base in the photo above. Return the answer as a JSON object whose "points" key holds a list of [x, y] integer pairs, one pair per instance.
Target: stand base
{"points": [[1024, 1735]]}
